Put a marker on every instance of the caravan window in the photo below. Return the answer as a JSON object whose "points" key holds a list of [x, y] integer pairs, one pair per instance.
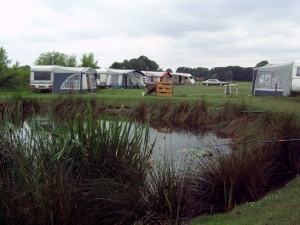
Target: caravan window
{"points": [[298, 71], [268, 80], [40, 75], [72, 83]]}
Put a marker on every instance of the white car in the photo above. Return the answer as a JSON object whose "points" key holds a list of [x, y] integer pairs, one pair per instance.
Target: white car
{"points": [[213, 82]]}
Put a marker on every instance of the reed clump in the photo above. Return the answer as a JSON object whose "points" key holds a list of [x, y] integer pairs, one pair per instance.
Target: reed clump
{"points": [[167, 192], [142, 112], [226, 180], [81, 171], [17, 108], [67, 107], [265, 155], [179, 114]]}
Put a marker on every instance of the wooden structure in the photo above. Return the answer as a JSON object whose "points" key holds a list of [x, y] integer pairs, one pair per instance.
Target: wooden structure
{"points": [[164, 89]]}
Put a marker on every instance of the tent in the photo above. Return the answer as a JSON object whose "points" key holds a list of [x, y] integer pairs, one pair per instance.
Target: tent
{"points": [[281, 79], [120, 78], [74, 79], [176, 78]]}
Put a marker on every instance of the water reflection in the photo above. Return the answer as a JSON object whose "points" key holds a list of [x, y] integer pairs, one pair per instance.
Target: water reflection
{"points": [[183, 145]]}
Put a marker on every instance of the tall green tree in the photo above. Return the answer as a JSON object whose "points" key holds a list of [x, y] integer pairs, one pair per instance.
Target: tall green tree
{"points": [[200, 72], [262, 63], [88, 60], [5, 77], [19, 77], [56, 58], [71, 61], [141, 63], [15, 77], [234, 73], [4, 61]]}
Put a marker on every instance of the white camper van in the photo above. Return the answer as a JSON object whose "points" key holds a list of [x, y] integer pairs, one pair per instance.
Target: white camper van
{"points": [[183, 78], [281, 79], [41, 77]]}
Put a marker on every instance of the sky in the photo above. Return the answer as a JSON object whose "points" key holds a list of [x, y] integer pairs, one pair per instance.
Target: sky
{"points": [[173, 33]]}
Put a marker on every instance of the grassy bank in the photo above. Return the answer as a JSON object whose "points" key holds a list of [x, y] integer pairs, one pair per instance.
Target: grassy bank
{"points": [[280, 207]]}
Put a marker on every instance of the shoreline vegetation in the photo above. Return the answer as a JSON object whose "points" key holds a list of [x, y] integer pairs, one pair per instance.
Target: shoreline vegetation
{"points": [[74, 169]]}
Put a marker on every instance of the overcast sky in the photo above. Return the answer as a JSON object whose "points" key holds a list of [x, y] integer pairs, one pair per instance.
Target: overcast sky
{"points": [[173, 33]]}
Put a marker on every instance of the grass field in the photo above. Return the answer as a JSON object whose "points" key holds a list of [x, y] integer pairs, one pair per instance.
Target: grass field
{"points": [[213, 95]]}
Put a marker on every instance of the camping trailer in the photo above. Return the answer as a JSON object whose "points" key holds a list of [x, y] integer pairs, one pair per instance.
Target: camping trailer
{"points": [[182, 78], [281, 79], [176, 78], [60, 79], [156, 76], [101, 78], [41, 78], [120, 78]]}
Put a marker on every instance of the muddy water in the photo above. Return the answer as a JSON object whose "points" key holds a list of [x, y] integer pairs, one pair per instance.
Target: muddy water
{"points": [[184, 145]]}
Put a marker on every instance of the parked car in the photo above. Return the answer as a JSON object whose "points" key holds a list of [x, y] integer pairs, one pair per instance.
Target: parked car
{"points": [[213, 82]]}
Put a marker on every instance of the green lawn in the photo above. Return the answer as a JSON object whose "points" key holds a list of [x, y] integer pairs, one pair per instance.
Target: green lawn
{"points": [[281, 207], [212, 94]]}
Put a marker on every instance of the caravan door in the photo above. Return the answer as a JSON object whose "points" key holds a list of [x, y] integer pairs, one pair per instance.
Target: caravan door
{"points": [[296, 77]]}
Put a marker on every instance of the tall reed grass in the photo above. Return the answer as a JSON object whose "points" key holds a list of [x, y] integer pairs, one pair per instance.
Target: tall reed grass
{"points": [[265, 155], [78, 171], [225, 180], [167, 191]]}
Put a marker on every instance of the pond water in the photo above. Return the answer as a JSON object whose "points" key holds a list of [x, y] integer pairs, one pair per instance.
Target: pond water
{"points": [[179, 145], [182, 145]]}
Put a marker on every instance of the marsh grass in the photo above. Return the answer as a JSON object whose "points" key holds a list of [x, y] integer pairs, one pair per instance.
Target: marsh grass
{"points": [[79, 167], [226, 180], [198, 114], [167, 191], [67, 107], [142, 112], [73, 172], [257, 163], [17, 108], [285, 133], [180, 114]]}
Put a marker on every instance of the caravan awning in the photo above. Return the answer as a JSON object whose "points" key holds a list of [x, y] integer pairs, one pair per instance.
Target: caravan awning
{"points": [[157, 74], [120, 71]]}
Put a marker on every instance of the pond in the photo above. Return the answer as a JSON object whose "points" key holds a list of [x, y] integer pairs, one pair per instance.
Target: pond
{"points": [[175, 144], [183, 145]]}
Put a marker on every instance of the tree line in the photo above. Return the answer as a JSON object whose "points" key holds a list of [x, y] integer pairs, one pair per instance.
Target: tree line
{"points": [[17, 77]]}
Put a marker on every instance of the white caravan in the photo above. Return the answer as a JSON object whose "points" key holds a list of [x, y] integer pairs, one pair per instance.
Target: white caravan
{"points": [[41, 77], [183, 78], [59, 79]]}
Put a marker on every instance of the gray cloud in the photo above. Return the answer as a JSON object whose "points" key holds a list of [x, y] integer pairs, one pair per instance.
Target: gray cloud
{"points": [[174, 33]]}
